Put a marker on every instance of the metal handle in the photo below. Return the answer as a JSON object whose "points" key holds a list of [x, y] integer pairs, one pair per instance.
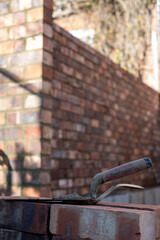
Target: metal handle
{"points": [[118, 172]]}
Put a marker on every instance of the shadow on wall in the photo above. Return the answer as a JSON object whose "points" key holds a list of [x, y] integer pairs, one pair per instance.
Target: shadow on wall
{"points": [[18, 172], [5, 167], [15, 79]]}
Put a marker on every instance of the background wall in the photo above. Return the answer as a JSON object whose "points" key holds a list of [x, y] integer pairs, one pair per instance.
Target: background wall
{"points": [[66, 111], [102, 117]]}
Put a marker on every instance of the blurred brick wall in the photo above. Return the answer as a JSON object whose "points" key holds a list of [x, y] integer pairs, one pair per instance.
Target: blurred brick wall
{"points": [[102, 117], [66, 111]]}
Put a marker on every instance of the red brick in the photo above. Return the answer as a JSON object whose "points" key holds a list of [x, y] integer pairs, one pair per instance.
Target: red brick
{"points": [[19, 45], [27, 30], [30, 116], [5, 103], [32, 162], [117, 223], [48, 44], [2, 147], [13, 133], [18, 18], [47, 87], [68, 70], [35, 42], [46, 148], [35, 14], [3, 34], [48, 31], [18, 72], [20, 59], [16, 102], [12, 118], [6, 20], [33, 71], [47, 132], [46, 116], [15, 89], [31, 132], [45, 178], [48, 4], [47, 72], [33, 147], [47, 58], [3, 90], [32, 101], [3, 8], [6, 48], [48, 15], [22, 5], [31, 192]]}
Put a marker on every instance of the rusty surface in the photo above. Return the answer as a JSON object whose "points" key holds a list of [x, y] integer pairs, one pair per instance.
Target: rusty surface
{"points": [[24, 216]]}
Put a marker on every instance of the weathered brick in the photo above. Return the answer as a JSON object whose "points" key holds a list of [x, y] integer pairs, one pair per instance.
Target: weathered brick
{"points": [[20, 5], [48, 31], [46, 116], [35, 42], [3, 8], [24, 31], [29, 116], [33, 71], [15, 89], [32, 101], [13, 117], [18, 74], [48, 15], [6, 48], [32, 162], [2, 177], [6, 103], [3, 90], [58, 153], [31, 132], [6, 20], [117, 223], [47, 132], [2, 118], [48, 44], [31, 192], [3, 63], [12, 133], [33, 147], [19, 45], [18, 18], [35, 14], [24, 58], [45, 178], [16, 102], [3, 34], [46, 148], [47, 58], [16, 191], [48, 4]]}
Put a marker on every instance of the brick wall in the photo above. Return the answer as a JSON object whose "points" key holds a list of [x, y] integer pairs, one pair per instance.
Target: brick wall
{"points": [[102, 117], [23, 112], [66, 111]]}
